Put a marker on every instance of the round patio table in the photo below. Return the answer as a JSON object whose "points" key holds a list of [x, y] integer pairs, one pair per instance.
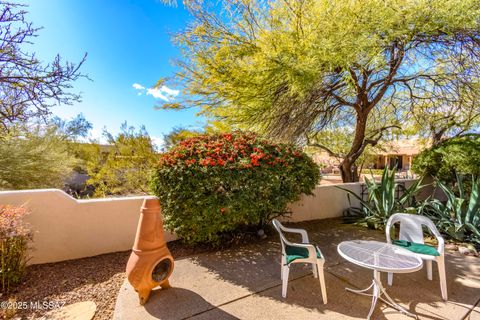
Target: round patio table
{"points": [[380, 257]]}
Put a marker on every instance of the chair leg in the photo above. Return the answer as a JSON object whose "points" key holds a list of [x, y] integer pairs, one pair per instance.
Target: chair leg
{"points": [[314, 270], [428, 264], [390, 278], [281, 269], [442, 276], [286, 271], [321, 277]]}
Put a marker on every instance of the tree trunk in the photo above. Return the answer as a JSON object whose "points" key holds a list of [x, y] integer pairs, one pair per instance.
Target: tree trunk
{"points": [[437, 137], [348, 170]]}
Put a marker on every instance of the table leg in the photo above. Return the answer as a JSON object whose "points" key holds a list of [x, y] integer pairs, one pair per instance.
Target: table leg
{"points": [[395, 305], [377, 291], [363, 291]]}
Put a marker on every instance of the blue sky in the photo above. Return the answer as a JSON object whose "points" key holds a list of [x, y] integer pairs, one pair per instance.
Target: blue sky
{"points": [[128, 42]]}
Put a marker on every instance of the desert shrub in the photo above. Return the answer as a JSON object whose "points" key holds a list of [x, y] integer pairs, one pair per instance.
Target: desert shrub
{"points": [[370, 172], [385, 198], [32, 158], [14, 241], [123, 168], [211, 185], [458, 216], [444, 161]]}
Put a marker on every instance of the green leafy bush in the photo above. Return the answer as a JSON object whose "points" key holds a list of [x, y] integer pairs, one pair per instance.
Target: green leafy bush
{"points": [[456, 155], [459, 216], [14, 240], [124, 167], [382, 200], [36, 157], [210, 185], [370, 172]]}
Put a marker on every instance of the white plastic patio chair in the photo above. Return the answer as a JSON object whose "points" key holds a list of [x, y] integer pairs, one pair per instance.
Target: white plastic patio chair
{"points": [[411, 238], [300, 253]]}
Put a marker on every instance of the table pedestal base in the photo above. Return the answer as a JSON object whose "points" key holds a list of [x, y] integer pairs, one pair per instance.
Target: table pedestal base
{"points": [[378, 291]]}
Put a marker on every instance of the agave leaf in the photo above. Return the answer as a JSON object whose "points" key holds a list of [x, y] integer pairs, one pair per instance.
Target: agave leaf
{"points": [[474, 202], [461, 189], [451, 198], [410, 191], [455, 233], [381, 202], [351, 193], [473, 229]]}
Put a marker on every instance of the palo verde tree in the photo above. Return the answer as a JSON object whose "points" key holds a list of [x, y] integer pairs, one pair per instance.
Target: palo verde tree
{"points": [[450, 118], [124, 165], [29, 87], [41, 155], [291, 68]]}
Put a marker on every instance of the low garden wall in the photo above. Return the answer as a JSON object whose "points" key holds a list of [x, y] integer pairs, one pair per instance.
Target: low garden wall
{"points": [[329, 201], [66, 228]]}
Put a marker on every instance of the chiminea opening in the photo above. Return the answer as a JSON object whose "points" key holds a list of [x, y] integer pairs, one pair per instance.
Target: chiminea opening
{"points": [[161, 270]]}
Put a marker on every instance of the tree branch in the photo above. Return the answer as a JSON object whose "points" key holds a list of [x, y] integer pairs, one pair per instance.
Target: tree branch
{"points": [[320, 146]]}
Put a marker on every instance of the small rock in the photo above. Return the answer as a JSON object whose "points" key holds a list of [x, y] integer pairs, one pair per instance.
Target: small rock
{"points": [[464, 250], [471, 247], [451, 246], [261, 234], [76, 311]]}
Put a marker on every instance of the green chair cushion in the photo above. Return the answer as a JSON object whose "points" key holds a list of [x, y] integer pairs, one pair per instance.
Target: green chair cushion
{"points": [[294, 253], [417, 247]]}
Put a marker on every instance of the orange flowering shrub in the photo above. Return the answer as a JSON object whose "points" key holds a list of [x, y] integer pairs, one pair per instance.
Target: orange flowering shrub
{"points": [[209, 185], [14, 240]]}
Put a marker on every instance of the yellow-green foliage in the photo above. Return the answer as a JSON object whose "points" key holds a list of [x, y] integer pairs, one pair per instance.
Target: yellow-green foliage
{"points": [[296, 44], [124, 166], [38, 158], [293, 68], [177, 135]]}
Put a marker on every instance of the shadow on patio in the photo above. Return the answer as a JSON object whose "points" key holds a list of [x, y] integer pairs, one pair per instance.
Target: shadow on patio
{"points": [[244, 283]]}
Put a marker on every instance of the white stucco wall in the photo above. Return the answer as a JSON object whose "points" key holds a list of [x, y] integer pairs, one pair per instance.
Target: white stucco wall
{"points": [[326, 202], [66, 228]]}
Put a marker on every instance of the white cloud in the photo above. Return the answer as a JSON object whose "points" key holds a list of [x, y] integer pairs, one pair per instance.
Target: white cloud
{"points": [[169, 91], [138, 86], [163, 93], [156, 93]]}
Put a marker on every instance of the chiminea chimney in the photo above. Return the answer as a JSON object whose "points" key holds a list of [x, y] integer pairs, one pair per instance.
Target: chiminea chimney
{"points": [[150, 262]]}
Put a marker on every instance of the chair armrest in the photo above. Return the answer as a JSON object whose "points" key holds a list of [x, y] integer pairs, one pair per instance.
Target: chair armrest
{"points": [[388, 227], [441, 244], [299, 231], [321, 253]]}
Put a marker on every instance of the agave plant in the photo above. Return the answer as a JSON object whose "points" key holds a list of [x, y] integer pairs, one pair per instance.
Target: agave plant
{"points": [[459, 216], [382, 201]]}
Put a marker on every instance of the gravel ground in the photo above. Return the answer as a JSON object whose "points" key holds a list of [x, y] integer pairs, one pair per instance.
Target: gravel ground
{"points": [[96, 279]]}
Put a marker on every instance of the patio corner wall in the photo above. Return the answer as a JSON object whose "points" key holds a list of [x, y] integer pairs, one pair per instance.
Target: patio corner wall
{"points": [[326, 202], [66, 228], [329, 201]]}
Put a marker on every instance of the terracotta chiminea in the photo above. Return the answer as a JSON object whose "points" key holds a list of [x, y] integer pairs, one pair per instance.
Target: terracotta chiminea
{"points": [[150, 263]]}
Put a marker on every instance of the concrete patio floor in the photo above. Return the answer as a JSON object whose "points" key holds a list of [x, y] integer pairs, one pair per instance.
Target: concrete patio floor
{"points": [[244, 283]]}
